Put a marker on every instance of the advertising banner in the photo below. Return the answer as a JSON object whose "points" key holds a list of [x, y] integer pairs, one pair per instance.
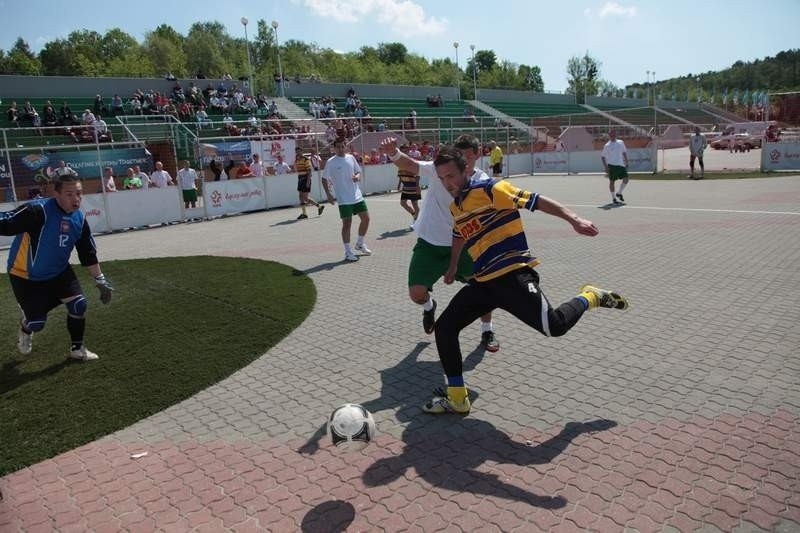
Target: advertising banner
{"points": [[270, 149], [234, 196], [780, 156], [557, 162], [224, 151], [34, 169]]}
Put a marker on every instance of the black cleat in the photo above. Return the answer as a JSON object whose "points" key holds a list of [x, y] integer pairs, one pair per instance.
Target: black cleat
{"points": [[620, 198], [429, 319]]}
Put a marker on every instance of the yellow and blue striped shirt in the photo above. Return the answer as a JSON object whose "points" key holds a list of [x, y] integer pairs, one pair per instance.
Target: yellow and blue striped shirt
{"points": [[486, 216]]}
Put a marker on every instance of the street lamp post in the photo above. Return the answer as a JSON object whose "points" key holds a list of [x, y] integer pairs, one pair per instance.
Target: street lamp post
{"points": [[249, 63], [458, 85], [474, 78], [697, 79], [278, 48]]}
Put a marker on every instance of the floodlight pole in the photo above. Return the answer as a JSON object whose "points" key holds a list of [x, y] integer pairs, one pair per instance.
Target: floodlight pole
{"points": [[474, 78], [458, 85], [249, 63], [278, 49]]}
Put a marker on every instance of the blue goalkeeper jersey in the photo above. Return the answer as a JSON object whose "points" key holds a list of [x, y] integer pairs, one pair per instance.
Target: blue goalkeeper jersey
{"points": [[486, 216], [45, 238]]}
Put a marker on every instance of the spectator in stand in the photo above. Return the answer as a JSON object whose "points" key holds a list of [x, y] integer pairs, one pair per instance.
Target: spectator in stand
{"points": [[243, 170], [131, 181], [202, 117], [316, 159], [101, 131], [28, 112], [137, 170], [374, 157], [217, 170], [67, 116], [412, 115], [177, 93], [108, 180], [64, 170], [49, 117], [222, 90], [187, 178], [381, 125], [99, 106], [257, 167], [116, 106], [12, 113], [413, 152], [88, 118], [281, 166], [136, 105], [160, 178], [227, 120], [185, 111]]}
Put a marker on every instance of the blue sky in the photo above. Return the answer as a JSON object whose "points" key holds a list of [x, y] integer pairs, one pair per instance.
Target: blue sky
{"points": [[671, 38]]}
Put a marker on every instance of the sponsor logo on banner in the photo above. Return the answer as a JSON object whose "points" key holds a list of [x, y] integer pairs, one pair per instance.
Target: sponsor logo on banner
{"points": [[232, 197], [783, 156], [775, 155], [93, 213], [216, 199]]}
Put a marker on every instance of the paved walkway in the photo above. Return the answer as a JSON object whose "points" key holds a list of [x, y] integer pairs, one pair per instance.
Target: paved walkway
{"points": [[679, 415]]}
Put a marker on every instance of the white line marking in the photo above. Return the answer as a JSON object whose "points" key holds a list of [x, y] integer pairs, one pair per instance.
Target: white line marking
{"points": [[626, 206]]}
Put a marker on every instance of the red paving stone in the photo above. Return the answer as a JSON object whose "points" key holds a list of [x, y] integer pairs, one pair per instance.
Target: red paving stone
{"points": [[215, 485]]}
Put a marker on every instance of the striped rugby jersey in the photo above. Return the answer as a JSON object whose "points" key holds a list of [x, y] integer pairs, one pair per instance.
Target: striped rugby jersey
{"points": [[409, 182], [302, 165], [486, 216]]}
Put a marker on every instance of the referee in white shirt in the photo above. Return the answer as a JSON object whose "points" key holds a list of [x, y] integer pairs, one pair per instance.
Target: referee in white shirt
{"points": [[615, 161]]}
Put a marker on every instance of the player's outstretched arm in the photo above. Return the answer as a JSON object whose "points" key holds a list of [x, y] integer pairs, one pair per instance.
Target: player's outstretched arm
{"points": [[580, 225], [327, 186], [401, 160]]}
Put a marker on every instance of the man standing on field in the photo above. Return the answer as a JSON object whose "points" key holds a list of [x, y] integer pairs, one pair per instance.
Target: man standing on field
{"points": [[615, 161]]}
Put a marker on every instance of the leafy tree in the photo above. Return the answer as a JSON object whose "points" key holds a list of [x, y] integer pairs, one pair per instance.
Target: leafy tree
{"points": [[21, 60], [116, 43], [56, 58], [165, 55], [485, 60], [392, 53], [531, 77], [582, 76]]}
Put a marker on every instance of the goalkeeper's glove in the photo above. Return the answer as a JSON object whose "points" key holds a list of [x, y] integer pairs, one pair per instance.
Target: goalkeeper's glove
{"points": [[105, 288]]}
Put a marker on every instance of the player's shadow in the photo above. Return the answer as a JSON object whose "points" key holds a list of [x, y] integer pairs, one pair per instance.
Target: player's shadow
{"points": [[447, 450], [320, 268], [610, 206], [11, 377], [333, 516], [394, 233]]}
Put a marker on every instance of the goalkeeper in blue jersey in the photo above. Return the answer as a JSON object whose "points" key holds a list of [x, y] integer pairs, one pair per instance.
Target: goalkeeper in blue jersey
{"points": [[41, 277], [487, 222]]}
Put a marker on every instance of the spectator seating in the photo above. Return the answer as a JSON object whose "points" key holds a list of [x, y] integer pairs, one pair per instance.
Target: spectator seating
{"points": [[524, 111]]}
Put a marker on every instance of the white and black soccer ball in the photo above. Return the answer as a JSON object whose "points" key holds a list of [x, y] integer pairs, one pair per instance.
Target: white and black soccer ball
{"points": [[351, 426]]}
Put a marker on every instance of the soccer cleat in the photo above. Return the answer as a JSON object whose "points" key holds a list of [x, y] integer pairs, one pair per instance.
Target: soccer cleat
{"points": [[616, 202], [429, 319], [363, 249], [350, 256], [82, 354], [443, 404], [607, 299], [620, 197], [489, 342], [320, 209], [302, 216], [24, 342]]}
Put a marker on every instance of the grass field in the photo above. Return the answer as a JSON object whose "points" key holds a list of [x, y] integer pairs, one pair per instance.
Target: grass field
{"points": [[174, 327]]}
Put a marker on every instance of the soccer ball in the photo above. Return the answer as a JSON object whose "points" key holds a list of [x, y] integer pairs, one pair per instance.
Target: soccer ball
{"points": [[351, 426]]}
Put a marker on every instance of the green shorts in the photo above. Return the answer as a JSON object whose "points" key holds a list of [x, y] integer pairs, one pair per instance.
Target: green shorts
{"points": [[616, 172], [189, 195], [429, 263], [347, 211]]}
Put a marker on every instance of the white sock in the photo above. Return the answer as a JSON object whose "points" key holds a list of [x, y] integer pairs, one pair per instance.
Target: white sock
{"points": [[486, 326], [429, 304], [612, 196], [347, 248], [360, 241], [622, 187]]}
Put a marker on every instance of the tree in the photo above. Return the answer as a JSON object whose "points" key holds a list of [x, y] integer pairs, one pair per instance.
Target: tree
{"points": [[56, 58], [532, 78], [392, 53], [21, 60], [485, 60], [582, 76], [607, 88]]}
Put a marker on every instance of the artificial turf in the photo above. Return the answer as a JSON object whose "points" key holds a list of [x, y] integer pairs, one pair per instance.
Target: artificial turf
{"points": [[174, 326]]}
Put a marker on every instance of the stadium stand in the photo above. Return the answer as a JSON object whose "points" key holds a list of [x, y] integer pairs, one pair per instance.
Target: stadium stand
{"points": [[524, 111]]}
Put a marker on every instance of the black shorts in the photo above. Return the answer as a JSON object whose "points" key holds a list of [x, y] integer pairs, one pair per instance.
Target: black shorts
{"points": [[410, 196], [304, 183], [497, 168], [37, 298]]}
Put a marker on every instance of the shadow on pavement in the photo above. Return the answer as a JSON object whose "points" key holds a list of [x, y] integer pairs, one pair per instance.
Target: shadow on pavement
{"points": [[333, 516], [446, 450]]}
